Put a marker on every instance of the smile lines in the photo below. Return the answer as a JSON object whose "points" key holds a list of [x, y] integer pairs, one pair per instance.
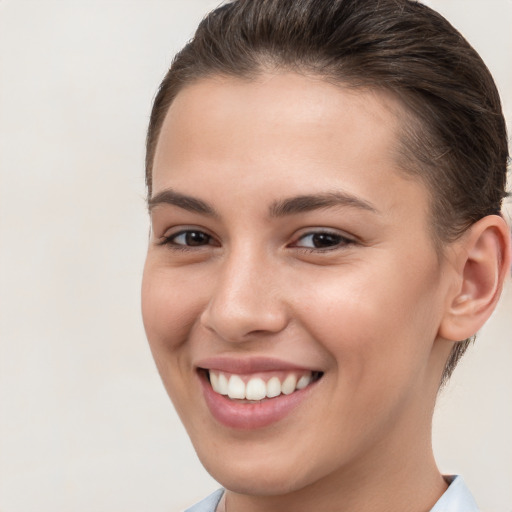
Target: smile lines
{"points": [[256, 388]]}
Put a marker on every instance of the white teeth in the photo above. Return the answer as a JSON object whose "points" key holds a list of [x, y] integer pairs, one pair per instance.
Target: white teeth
{"points": [[288, 386], [273, 387], [236, 387], [255, 389], [214, 381], [223, 385], [304, 381]]}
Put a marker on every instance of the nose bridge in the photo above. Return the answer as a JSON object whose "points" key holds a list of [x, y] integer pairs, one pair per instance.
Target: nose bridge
{"points": [[245, 300]]}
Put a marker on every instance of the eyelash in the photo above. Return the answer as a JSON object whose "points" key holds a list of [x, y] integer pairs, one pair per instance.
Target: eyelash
{"points": [[170, 240], [341, 241]]}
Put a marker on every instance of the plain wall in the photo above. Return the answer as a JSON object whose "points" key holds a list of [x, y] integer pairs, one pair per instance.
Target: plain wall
{"points": [[85, 424]]}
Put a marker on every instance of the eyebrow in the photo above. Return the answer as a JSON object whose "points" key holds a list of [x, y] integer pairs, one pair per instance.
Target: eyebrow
{"points": [[189, 203], [282, 208], [310, 202]]}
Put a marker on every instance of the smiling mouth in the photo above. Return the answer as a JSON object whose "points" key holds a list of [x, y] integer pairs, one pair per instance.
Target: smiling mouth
{"points": [[260, 387]]}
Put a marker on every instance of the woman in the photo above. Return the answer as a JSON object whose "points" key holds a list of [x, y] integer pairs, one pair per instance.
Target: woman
{"points": [[325, 181]]}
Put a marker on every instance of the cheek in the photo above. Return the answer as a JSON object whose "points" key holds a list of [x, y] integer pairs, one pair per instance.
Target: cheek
{"points": [[372, 324], [169, 310]]}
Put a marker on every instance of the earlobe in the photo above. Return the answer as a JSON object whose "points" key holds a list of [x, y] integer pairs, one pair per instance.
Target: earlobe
{"points": [[483, 263]]}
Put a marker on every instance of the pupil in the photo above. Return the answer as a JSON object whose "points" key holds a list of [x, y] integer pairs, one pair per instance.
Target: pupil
{"points": [[195, 238], [325, 240]]}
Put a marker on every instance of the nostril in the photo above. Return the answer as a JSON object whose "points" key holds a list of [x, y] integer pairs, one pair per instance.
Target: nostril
{"points": [[238, 322]]}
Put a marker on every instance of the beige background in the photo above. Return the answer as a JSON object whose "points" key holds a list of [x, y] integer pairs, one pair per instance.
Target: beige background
{"points": [[85, 424]]}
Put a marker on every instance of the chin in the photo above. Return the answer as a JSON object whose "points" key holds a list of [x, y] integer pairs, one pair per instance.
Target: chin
{"points": [[259, 477]]}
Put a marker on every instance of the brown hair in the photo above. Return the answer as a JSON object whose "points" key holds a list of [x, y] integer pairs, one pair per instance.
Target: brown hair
{"points": [[453, 133]]}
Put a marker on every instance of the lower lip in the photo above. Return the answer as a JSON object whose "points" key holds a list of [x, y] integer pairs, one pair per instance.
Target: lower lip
{"points": [[248, 416]]}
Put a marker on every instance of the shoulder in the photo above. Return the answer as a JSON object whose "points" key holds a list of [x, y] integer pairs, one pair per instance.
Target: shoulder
{"points": [[457, 497], [209, 504]]}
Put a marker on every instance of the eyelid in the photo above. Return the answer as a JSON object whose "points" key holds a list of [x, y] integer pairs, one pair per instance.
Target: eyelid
{"points": [[170, 234], [345, 239]]}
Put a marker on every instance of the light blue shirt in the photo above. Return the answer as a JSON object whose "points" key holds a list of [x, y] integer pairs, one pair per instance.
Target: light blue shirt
{"points": [[209, 504], [457, 498]]}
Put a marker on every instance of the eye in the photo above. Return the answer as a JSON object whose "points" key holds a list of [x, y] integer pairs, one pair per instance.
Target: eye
{"points": [[322, 240], [188, 238]]}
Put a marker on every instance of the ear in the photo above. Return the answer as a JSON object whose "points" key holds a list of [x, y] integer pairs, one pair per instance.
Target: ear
{"points": [[482, 263]]}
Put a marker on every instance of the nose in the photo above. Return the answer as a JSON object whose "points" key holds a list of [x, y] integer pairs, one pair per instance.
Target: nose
{"points": [[246, 302]]}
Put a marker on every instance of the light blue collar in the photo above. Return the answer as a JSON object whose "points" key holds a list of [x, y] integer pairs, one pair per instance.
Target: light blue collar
{"points": [[457, 498]]}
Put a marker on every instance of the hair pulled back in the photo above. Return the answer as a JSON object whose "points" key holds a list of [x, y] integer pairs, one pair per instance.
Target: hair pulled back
{"points": [[453, 130]]}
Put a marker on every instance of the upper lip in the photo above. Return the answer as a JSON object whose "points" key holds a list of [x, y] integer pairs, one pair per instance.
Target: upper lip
{"points": [[245, 365]]}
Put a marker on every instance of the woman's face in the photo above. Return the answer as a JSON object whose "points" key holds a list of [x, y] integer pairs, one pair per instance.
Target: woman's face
{"points": [[289, 256]]}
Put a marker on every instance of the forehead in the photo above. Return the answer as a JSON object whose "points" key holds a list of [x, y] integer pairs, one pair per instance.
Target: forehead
{"points": [[282, 132], [283, 104]]}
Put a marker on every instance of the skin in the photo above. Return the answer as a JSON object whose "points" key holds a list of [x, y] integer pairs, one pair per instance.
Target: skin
{"points": [[371, 311]]}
